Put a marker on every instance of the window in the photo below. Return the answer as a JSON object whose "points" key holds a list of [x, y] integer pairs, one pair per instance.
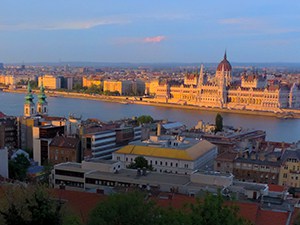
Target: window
{"points": [[118, 158], [161, 163], [166, 163], [218, 164]]}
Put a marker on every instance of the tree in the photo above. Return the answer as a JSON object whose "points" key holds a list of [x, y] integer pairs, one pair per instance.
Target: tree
{"points": [[18, 167], [33, 84], [219, 123], [213, 211], [145, 119], [125, 209], [140, 162], [31, 206]]}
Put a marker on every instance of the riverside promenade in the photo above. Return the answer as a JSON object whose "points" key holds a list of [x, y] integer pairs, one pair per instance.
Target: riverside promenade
{"points": [[285, 113]]}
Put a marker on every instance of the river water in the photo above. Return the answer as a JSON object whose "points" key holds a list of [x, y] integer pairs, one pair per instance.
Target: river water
{"points": [[287, 130]]}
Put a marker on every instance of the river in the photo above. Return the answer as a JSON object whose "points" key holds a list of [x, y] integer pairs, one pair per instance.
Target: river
{"points": [[287, 130]]}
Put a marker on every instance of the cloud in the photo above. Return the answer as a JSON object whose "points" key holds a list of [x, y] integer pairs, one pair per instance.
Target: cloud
{"points": [[155, 39], [64, 25], [244, 23], [255, 26]]}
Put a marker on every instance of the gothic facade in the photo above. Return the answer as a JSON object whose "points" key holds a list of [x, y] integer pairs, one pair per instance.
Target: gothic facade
{"points": [[252, 93]]}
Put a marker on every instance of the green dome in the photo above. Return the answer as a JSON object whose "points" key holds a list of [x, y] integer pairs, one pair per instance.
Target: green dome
{"points": [[41, 96], [29, 96]]}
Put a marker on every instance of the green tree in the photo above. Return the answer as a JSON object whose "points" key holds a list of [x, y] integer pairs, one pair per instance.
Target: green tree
{"points": [[31, 206], [125, 209], [140, 162], [145, 119], [213, 211], [219, 123], [33, 84], [18, 167]]}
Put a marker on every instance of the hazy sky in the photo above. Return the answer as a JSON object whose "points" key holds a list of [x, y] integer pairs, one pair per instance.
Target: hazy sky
{"points": [[149, 31]]}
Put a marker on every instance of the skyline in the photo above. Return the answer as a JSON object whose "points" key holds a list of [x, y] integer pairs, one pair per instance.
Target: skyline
{"points": [[149, 32]]}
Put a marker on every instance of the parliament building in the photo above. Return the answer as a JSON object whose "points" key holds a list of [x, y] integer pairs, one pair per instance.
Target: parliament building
{"points": [[251, 93]]}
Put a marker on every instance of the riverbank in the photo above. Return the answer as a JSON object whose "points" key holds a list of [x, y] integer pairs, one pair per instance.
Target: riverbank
{"points": [[151, 102]]}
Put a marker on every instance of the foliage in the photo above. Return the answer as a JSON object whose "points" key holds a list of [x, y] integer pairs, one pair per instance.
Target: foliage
{"points": [[94, 89], [213, 211], [219, 123], [135, 208], [145, 119], [140, 162], [33, 84], [125, 209], [71, 220], [29, 206], [18, 167], [111, 93]]}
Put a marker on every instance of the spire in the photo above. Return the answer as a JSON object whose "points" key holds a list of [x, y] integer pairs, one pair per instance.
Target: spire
{"points": [[29, 97], [225, 55], [42, 97], [200, 80]]}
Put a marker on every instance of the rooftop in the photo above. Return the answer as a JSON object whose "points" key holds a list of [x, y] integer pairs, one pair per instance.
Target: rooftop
{"points": [[192, 153]]}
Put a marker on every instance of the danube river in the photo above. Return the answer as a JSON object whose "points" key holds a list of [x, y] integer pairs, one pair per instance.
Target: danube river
{"points": [[287, 130]]}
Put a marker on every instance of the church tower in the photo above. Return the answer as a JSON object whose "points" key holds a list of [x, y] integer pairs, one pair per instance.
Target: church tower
{"points": [[42, 105], [29, 104]]}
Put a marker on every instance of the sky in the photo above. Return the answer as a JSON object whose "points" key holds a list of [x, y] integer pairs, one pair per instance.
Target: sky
{"points": [[156, 31]]}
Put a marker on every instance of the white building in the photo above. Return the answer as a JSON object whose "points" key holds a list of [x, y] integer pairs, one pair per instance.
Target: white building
{"points": [[170, 154], [106, 175], [4, 163]]}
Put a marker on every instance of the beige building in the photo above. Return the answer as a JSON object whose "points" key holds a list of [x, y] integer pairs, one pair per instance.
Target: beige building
{"points": [[168, 154], [289, 174], [123, 87], [49, 82], [220, 92]]}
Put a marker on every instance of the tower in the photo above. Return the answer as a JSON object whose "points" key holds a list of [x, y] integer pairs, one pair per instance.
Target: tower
{"points": [[29, 104], [224, 70], [201, 77], [42, 105]]}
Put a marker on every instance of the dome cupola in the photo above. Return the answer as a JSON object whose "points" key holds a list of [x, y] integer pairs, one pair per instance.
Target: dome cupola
{"points": [[224, 64]]}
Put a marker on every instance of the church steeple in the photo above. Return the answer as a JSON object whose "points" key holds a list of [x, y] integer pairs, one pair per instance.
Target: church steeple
{"points": [[42, 106], [29, 104], [225, 55]]}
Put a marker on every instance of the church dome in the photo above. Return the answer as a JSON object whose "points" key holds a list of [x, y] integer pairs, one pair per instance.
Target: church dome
{"points": [[224, 63]]}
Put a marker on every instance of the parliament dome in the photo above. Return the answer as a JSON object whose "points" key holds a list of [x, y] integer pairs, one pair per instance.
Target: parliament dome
{"points": [[224, 63]]}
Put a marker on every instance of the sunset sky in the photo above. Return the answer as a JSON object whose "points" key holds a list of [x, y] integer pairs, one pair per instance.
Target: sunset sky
{"points": [[149, 31]]}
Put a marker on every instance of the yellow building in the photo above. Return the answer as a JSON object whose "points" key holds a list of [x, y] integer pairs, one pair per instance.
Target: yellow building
{"points": [[50, 82], [92, 80], [2, 79], [220, 92], [289, 174], [123, 87]]}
